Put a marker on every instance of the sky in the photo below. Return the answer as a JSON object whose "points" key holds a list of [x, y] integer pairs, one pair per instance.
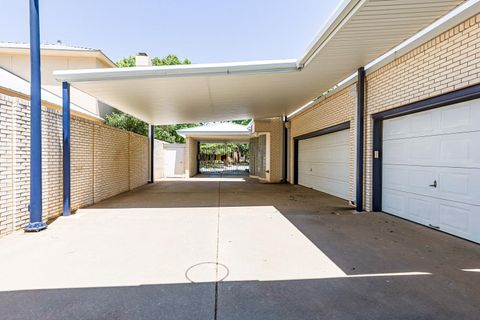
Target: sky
{"points": [[204, 31]]}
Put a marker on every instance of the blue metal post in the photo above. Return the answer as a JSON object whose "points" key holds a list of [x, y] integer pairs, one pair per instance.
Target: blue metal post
{"points": [[36, 223], [66, 148]]}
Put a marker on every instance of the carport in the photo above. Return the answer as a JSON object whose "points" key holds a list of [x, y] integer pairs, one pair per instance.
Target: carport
{"points": [[346, 44]]}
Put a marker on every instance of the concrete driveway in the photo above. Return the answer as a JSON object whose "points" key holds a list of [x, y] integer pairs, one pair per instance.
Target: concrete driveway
{"points": [[233, 248]]}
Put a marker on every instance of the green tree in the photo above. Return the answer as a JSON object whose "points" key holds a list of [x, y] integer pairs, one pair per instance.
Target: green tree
{"points": [[243, 122], [126, 62], [169, 133], [169, 60], [125, 121]]}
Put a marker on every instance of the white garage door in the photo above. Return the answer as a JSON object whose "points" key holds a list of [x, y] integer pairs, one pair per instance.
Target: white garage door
{"points": [[323, 163], [431, 168]]}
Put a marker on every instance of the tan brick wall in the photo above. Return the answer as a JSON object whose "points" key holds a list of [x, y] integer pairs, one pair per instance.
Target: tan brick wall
{"points": [[110, 162], [191, 159], [448, 62], [335, 109], [6, 163], [105, 161], [82, 158], [275, 127], [138, 165]]}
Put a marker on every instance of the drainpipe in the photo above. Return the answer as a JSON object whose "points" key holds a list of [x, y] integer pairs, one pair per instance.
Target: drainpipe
{"points": [[285, 149], [66, 148], [151, 135], [35, 207], [360, 117]]}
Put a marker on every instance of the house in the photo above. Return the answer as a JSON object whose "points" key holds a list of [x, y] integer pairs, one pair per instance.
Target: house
{"points": [[15, 70]]}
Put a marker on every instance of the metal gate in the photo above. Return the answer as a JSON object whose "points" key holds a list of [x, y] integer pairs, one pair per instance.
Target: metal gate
{"points": [[224, 158]]}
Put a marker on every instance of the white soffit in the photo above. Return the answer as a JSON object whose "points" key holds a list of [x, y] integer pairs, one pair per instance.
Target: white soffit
{"points": [[359, 32]]}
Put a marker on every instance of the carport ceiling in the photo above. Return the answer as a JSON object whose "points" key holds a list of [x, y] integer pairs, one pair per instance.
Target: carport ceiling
{"points": [[359, 32]]}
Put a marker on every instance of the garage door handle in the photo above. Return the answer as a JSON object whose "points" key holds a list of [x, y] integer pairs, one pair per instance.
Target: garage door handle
{"points": [[434, 184], [434, 227]]}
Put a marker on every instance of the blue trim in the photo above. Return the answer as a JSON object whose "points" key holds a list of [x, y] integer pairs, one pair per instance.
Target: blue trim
{"points": [[360, 123], [377, 164], [66, 149], [35, 207]]}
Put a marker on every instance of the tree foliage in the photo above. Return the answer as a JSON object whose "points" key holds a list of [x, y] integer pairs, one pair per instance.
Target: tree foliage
{"points": [[243, 122], [126, 62], [169, 60], [168, 133], [125, 121]]}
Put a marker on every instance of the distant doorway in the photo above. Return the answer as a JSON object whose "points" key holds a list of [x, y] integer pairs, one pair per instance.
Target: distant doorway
{"points": [[224, 158]]}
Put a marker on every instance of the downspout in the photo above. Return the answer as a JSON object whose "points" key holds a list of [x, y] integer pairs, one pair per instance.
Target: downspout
{"points": [[35, 207], [360, 117], [285, 149]]}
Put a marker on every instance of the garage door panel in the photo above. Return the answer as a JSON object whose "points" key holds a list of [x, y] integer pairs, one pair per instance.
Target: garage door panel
{"points": [[410, 206], [410, 179], [458, 118], [462, 149], [420, 209], [323, 163], [326, 155], [453, 150], [334, 171], [441, 146], [394, 202], [459, 184], [395, 177], [330, 186], [455, 217], [462, 117], [455, 184]]}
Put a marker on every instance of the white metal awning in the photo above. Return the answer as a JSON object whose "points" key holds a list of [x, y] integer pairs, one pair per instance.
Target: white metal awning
{"points": [[215, 132], [359, 32]]}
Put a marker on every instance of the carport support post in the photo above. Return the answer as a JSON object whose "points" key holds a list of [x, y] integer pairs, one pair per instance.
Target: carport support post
{"points": [[35, 207], [66, 148], [151, 136], [360, 117]]}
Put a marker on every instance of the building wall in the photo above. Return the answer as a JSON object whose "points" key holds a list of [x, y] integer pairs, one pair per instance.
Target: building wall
{"points": [[191, 166], [169, 159], [446, 63], [19, 64], [105, 161], [335, 109], [275, 127]]}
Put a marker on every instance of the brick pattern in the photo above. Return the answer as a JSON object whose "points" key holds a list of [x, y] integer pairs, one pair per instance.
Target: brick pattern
{"points": [[192, 151], [275, 127], [52, 186], [82, 162], [6, 164], [105, 161], [446, 63], [335, 109], [111, 162], [21, 163], [138, 154]]}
